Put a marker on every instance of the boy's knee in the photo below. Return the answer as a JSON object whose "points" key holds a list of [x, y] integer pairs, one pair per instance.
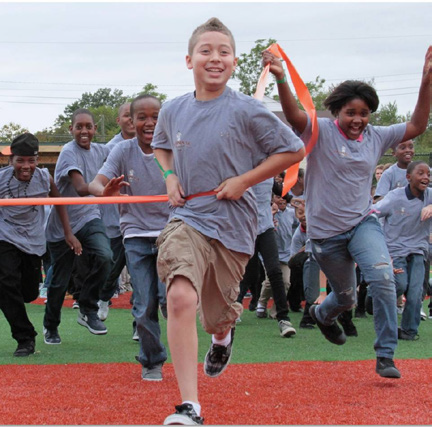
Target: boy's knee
{"points": [[181, 295]]}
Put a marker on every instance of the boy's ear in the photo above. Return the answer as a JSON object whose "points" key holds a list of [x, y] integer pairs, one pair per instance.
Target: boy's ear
{"points": [[70, 129], [234, 64], [188, 62]]}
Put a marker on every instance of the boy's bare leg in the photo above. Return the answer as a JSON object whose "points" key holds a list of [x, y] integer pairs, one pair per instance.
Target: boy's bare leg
{"points": [[182, 335]]}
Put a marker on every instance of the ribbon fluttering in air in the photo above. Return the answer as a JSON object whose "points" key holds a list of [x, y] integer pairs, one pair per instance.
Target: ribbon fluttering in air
{"points": [[305, 100]]}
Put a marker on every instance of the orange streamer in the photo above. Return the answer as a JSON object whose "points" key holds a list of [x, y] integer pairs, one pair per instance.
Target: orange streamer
{"points": [[305, 100], [38, 201]]}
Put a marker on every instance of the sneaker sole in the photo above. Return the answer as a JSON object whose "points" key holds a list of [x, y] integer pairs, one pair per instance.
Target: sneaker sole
{"points": [[288, 333], [152, 379], [93, 331], [390, 373], [178, 419]]}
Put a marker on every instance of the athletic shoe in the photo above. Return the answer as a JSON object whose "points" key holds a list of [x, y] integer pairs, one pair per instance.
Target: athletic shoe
{"points": [[25, 348], [135, 333], [286, 329], [332, 332], [218, 357], [402, 335], [423, 315], [386, 368], [103, 309], [252, 305], [360, 314], [43, 292], [348, 325], [92, 322], [185, 415], [51, 337], [261, 312], [153, 374], [75, 305]]}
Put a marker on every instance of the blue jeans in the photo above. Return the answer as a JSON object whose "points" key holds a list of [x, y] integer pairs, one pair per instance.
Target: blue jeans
{"points": [[141, 254], [410, 283], [365, 245], [311, 285], [97, 252]]}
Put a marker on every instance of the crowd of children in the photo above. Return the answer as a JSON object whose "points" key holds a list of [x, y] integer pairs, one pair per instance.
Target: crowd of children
{"points": [[192, 254]]}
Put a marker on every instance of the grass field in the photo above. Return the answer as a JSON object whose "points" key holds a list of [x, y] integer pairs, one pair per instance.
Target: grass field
{"points": [[256, 341]]}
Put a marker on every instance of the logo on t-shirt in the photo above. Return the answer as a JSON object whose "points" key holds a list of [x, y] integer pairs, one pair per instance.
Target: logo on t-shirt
{"points": [[179, 143]]}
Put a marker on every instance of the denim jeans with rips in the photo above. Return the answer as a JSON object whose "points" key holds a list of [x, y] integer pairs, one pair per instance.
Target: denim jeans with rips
{"points": [[365, 245]]}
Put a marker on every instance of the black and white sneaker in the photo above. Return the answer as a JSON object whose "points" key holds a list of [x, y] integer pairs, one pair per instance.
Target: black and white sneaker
{"points": [[25, 348], [185, 415], [51, 336], [386, 368], [92, 322], [218, 357]]}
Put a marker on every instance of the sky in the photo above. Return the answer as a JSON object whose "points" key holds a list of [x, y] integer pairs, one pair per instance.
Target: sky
{"points": [[51, 53]]}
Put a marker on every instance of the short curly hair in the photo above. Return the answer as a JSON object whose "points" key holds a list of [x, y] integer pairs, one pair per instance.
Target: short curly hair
{"points": [[349, 90], [213, 24]]}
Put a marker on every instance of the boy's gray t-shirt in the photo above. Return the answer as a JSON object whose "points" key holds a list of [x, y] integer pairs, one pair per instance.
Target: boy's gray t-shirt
{"points": [[215, 140], [404, 231], [87, 162], [145, 179], [23, 226], [284, 232], [263, 192], [391, 178], [339, 175]]}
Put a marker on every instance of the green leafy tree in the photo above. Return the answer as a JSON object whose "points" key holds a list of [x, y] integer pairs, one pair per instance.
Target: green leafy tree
{"points": [[249, 68], [10, 130], [150, 89]]}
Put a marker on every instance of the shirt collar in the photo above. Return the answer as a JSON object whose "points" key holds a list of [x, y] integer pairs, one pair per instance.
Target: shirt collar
{"points": [[411, 196], [359, 139]]}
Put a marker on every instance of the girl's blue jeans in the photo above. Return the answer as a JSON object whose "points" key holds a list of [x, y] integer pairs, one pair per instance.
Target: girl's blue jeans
{"points": [[365, 245]]}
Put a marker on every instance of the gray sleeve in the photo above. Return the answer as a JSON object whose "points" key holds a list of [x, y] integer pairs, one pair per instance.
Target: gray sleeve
{"points": [[112, 166], [384, 185], [161, 138], [384, 206]]}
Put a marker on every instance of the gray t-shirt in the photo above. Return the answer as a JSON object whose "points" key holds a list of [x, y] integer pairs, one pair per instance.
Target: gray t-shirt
{"points": [[145, 179], [23, 226], [393, 177], [404, 231], [339, 176], [211, 142], [87, 162], [115, 140], [299, 239], [263, 192], [284, 231]]}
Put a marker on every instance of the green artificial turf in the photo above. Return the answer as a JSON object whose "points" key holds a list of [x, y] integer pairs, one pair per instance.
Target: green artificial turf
{"points": [[256, 341]]}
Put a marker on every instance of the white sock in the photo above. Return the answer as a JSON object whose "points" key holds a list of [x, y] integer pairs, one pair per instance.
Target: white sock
{"points": [[196, 406], [225, 341], [260, 307]]}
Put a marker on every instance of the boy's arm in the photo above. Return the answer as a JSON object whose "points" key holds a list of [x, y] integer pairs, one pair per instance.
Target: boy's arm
{"points": [[297, 118], [174, 189], [234, 188], [80, 185], [70, 239], [419, 120], [426, 213]]}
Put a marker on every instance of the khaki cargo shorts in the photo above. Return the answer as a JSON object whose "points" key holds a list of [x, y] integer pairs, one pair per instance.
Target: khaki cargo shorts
{"points": [[214, 271]]}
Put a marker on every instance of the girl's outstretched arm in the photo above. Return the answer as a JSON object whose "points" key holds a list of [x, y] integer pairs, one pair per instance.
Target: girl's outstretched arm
{"points": [[419, 120], [297, 118]]}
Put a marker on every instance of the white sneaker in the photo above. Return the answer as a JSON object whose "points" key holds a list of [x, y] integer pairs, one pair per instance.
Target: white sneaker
{"points": [[135, 335], [423, 315], [286, 329], [103, 309]]}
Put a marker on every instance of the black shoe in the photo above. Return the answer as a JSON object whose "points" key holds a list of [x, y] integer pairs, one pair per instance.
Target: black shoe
{"points": [[51, 336], [252, 305], [185, 415], [92, 322], [348, 325], [306, 325], [360, 314], [402, 335], [386, 368], [333, 333], [306, 321], [25, 348], [218, 357]]}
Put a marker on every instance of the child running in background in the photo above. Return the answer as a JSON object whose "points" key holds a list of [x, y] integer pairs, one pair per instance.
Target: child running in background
{"points": [[212, 139], [407, 226], [77, 165], [342, 227], [141, 224], [22, 237]]}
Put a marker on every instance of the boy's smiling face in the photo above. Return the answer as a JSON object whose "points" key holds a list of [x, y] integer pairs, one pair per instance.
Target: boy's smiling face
{"points": [[24, 166], [404, 153], [213, 62], [83, 130], [145, 119], [419, 178]]}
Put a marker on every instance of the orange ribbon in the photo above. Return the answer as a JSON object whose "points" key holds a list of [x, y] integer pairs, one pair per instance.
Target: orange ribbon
{"points": [[306, 101], [37, 201]]}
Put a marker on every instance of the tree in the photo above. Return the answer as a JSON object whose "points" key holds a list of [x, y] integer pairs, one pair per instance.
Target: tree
{"points": [[9, 131], [150, 89], [249, 68]]}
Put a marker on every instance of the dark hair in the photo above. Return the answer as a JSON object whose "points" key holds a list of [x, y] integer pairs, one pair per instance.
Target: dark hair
{"points": [[349, 90], [300, 173], [139, 98], [81, 111], [213, 24], [412, 166]]}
